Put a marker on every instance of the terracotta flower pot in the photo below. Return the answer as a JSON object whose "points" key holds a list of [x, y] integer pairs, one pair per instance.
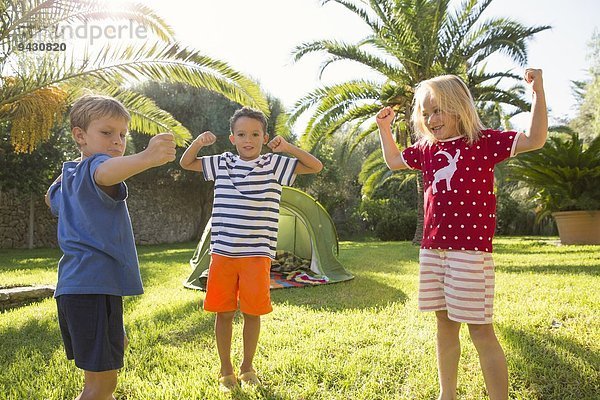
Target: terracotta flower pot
{"points": [[578, 227]]}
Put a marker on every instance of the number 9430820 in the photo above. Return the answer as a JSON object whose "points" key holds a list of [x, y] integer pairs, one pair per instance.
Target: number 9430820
{"points": [[44, 46]]}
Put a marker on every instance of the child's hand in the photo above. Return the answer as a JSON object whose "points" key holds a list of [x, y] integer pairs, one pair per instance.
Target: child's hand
{"points": [[206, 138], [534, 77], [385, 117], [279, 145], [161, 149]]}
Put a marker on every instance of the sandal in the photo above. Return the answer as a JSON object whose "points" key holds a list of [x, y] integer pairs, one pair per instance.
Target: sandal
{"points": [[249, 379], [228, 383]]}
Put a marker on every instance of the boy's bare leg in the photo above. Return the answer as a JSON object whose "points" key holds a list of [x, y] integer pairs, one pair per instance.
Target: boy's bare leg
{"points": [[448, 354], [492, 360], [223, 332], [99, 385], [251, 334]]}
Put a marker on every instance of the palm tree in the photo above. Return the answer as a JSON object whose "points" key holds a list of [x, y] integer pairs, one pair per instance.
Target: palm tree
{"points": [[36, 86], [410, 41]]}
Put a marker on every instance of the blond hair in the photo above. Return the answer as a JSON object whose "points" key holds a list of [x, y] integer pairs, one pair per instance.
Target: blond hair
{"points": [[93, 106], [452, 97]]}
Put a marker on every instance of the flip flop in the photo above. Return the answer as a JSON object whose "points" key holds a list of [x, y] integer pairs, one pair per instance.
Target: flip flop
{"points": [[249, 379], [228, 383]]}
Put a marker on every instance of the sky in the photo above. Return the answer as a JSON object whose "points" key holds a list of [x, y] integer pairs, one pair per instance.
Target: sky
{"points": [[257, 38]]}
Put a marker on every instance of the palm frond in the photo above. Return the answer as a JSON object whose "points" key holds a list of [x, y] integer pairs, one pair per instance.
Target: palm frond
{"points": [[505, 96], [374, 173], [354, 130], [499, 35], [282, 126], [111, 67], [33, 117], [166, 63], [146, 116], [337, 100], [459, 24], [328, 97], [360, 137], [345, 51], [361, 10], [35, 17], [334, 120], [305, 103]]}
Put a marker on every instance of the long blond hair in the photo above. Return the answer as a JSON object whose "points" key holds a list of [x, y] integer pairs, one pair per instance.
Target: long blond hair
{"points": [[453, 97]]}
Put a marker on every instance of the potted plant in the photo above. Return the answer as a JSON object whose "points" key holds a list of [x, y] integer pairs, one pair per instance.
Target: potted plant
{"points": [[565, 178]]}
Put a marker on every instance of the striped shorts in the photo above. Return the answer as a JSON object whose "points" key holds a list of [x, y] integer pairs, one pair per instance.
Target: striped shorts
{"points": [[461, 282]]}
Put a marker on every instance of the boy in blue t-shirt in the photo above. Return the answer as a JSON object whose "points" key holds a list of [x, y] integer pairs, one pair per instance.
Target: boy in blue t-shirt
{"points": [[100, 263], [244, 229]]}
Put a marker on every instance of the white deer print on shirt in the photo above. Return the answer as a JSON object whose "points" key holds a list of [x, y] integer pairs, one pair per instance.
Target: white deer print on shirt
{"points": [[447, 172]]}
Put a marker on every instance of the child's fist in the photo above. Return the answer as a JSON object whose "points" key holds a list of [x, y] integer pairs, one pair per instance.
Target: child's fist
{"points": [[534, 77], [161, 149], [206, 138], [385, 116], [278, 144]]}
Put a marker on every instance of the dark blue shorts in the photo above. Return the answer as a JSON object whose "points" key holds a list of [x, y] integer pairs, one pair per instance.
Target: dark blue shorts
{"points": [[91, 326]]}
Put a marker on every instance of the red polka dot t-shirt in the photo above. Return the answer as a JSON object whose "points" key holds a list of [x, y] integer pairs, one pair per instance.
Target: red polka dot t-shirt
{"points": [[460, 205]]}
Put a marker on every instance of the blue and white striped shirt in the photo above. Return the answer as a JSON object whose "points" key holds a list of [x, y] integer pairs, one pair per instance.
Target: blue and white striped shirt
{"points": [[245, 212]]}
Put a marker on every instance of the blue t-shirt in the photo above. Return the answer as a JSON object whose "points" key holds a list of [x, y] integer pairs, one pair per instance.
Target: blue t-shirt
{"points": [[94, 233]]}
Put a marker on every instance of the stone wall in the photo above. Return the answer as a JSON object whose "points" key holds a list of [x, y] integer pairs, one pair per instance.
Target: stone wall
{"points": [[14, 221], [170, 212], [160, 212]]}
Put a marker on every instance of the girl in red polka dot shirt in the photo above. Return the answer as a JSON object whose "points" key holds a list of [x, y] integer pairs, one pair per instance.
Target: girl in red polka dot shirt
{"points": [[457, 155]]}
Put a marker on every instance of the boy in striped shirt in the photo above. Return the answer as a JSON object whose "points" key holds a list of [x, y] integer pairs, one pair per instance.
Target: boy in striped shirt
{"points": [[244, 228]]}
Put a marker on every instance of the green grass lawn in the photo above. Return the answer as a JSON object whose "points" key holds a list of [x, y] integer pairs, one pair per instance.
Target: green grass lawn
{"points": [[362, 339]]}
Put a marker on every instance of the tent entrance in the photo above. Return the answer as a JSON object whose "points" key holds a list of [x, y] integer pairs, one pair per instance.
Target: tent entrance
{"points": [[293, 235], [295, 264], [306, 233]]}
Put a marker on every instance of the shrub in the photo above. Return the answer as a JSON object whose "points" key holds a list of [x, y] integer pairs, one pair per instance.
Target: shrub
{"points": [[389, 219]]}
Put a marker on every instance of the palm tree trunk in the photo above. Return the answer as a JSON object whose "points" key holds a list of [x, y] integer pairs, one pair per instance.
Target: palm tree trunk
{"points": [[31, 226]]}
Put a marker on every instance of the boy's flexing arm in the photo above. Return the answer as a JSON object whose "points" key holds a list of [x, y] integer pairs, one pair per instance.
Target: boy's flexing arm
{"points": [[391, 154], [538, 129], [307, 163], [189, 158], [160, 150]]}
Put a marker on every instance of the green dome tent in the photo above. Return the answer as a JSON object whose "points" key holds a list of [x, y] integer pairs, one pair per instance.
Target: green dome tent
{"points": [[305, 229]]}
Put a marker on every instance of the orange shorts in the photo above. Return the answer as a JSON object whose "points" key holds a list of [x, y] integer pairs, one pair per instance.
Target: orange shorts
{"points": [[246, 279]]}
